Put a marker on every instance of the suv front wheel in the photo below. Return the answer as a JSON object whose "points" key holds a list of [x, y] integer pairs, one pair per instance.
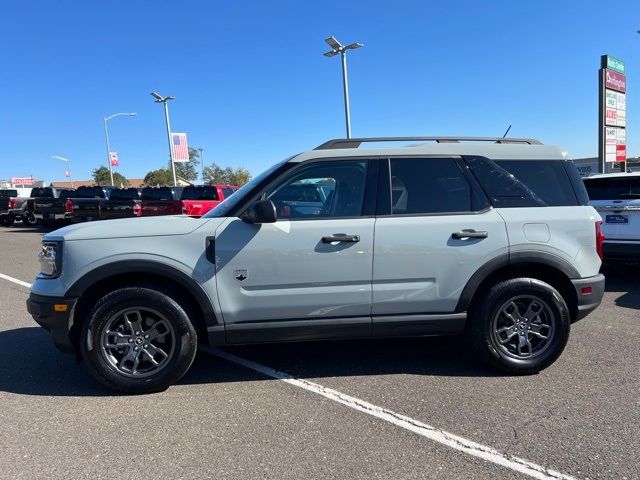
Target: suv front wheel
{"points": [[138, 340], [521, 325]]}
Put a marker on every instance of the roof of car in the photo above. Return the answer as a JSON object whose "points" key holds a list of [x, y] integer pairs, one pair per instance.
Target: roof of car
{"points": [[614, 175], [500, 149]]}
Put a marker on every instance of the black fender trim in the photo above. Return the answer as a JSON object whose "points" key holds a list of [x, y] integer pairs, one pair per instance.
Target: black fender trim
{"points": [[147, 266], [511, 259]]}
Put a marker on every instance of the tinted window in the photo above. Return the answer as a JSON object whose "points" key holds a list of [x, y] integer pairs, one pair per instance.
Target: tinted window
{"points": [[89, 192], [42, 192], [8, 193], [157, 193], [199, 193], [64, 194], [227, 191], [524, 183], [124, 194], [430, 185], [613, 188], [323, 190]]}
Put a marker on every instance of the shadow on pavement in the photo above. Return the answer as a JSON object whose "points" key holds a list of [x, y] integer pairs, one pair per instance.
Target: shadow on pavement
{"points": [[31, 365], [623, 278]]}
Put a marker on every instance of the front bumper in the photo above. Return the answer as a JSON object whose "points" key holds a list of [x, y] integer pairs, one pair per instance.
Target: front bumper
{"points": [[589, 291], [621, 250], [55, 314]]}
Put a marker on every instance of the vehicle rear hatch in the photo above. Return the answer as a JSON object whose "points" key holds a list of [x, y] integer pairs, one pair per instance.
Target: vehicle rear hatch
{"points": [[617, 199]]}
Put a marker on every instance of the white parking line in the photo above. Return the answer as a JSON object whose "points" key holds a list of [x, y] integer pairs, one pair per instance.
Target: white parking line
{"points": [[15, 280], [440, 436]]}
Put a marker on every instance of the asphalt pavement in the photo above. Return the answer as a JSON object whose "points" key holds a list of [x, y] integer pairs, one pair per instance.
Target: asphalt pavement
{"points": [[580, 417]]}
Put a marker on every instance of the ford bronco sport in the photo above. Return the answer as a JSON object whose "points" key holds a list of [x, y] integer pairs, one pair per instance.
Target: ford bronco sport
{"points": [[488, 237]]}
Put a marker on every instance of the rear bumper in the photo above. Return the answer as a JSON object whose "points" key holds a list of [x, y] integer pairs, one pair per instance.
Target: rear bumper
{"points": [[52, 216], [50, 313], [621, 250], [590, 291]]}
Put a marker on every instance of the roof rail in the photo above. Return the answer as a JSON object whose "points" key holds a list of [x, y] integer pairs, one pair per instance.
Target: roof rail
{"points": [[355, 142]]}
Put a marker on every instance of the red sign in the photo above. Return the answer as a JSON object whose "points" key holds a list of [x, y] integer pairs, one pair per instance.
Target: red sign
{"points": [[23, 181], [615, 81], [113, 159], [621, 153]]}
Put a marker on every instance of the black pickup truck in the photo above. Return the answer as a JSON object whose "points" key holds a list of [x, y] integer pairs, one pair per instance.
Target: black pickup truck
{"points": [[5, 204], [87, 203], [49, 204], [122, 203]]}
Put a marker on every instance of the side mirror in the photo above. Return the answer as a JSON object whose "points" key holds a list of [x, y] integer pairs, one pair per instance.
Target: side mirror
{"points": [[262, 211]]}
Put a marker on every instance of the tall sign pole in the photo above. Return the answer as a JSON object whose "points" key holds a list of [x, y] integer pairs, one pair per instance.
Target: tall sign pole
{"points": [[173, 164], [612, 114]]}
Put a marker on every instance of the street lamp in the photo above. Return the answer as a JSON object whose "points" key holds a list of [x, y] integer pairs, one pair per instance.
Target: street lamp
{"points": [[160, 99], [68, 167], [202, 160], [106, 138], [338, 48]]}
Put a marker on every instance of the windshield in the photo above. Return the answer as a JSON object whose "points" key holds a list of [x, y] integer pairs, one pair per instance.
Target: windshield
{"points": [[613, 188], [228, 203]]}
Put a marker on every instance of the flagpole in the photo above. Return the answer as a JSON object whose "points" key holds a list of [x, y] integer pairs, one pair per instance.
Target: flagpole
{"points": [[173, 164]]}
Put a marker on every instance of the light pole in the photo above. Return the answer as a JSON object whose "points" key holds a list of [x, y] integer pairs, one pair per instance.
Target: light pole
{"points": [[68, 167], [202, 160], [106, 138], [160, 99], [338, 48]]}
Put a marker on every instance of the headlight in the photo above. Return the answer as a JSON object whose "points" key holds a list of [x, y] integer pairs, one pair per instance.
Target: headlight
{"points": [[50, 259]]}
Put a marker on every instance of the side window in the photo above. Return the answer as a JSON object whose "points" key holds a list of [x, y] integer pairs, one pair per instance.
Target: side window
{"points": [[430, 185], [323, 190]]}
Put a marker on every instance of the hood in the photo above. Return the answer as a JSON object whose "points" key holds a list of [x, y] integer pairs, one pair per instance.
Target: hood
{"points": [[132, 227]]}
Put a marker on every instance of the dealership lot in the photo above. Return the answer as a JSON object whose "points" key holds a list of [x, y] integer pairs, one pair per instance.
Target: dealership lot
{"points": [[580, 417]]}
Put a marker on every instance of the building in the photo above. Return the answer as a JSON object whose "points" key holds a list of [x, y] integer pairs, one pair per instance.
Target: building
{"points": [[589, 166], [134, 182]]}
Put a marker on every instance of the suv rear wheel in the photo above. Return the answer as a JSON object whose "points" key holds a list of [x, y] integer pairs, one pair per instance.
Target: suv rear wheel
{"points": [[521, 326], [138, 340]]}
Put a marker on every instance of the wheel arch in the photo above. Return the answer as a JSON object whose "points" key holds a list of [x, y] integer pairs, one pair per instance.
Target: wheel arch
{"points": [[97, 283], [548, 268]]}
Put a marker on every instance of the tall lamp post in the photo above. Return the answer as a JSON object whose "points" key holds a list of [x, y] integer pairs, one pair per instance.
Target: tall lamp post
{"points": [[106, 138], [164, 100], [201, 150], [338, 48], [68, 167]]}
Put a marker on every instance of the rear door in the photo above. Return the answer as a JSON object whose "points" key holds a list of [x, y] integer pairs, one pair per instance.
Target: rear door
{"points": [[433, 231], [617, 199]]}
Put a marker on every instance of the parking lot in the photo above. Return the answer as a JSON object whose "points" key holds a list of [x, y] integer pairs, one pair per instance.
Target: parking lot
{"points": [[357, 409]]}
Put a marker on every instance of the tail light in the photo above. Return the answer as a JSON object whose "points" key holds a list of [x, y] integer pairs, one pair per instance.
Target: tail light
{"points": [[599, 239], [137, 210], [12, 203], [68, 206]]}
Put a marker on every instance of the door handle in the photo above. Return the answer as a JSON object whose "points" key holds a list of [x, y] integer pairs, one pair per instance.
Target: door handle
{"points": [[469, 233], [341, 237]]}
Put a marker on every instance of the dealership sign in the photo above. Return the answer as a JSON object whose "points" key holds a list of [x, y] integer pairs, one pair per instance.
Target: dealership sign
{"points": [[612, 112], [23, 181]]}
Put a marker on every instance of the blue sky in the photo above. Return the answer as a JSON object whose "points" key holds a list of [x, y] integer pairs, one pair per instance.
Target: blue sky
{"points": [[252, 85]]}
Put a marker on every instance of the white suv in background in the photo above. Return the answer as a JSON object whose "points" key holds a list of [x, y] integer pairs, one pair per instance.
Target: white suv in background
{"points": [[488, 237], [616, 196]]}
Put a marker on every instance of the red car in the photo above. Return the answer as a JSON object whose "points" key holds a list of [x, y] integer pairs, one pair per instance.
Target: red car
{"points": [[199, 199]]}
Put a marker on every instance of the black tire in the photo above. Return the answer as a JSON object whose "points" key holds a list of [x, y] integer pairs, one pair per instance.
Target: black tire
{"points": [[496, 306], [7, 221], [29, 220], [100, 361]]}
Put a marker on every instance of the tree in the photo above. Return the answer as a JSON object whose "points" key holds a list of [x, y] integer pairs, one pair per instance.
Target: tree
{"points": [[102, 177], [188, 170], [218, 175], [162, 176]]}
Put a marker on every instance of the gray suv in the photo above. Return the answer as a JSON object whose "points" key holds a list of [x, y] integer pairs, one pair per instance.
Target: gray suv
{"points": [[490, 238]]}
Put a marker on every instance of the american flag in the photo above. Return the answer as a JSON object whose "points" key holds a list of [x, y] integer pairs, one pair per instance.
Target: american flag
{"points": [[179, 149]]}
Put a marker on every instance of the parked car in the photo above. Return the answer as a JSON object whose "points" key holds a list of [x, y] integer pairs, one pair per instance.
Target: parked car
{"points": [[49, 204], [489, 237], [617, 197], [87, 203], [18, 207], [122, 203], [5, 199], [156, 201], [199, 199]]}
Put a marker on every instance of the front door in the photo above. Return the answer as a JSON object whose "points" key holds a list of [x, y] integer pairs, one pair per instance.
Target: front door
{"points": [[308, 275]]}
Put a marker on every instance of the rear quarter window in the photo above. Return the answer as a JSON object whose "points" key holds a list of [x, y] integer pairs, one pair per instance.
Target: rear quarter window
{"points": [[161, 193], [528, 183]]}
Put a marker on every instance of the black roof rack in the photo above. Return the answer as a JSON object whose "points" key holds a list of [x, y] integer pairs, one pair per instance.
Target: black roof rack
{"points": [[355, 142]]}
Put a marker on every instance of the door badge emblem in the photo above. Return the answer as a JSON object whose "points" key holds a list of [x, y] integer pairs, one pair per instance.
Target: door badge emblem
{"points": [[241, 275]]}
